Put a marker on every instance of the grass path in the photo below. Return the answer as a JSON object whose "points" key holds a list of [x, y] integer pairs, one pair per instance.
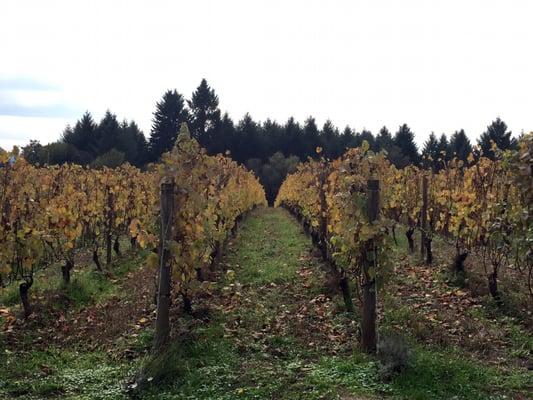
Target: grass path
{"points": [[272, 327]]}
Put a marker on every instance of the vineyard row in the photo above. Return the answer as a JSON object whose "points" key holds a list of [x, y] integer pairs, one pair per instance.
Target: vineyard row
{"points": [[50, 214], [482, 207]]}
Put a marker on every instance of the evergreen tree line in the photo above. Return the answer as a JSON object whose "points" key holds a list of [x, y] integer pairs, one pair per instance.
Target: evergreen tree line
{"points": [[270, 149], [108, 143]]}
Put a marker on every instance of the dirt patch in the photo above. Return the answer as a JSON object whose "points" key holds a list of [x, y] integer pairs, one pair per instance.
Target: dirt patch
{"points": [[102, 324], [440, 314], [97, 325]]}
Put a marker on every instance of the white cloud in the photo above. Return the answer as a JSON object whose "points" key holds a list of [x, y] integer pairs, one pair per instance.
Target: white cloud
{"points": [[438, 66]]}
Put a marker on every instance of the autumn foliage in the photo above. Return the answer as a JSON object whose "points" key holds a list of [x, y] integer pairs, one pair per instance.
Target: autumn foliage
{"points": [[211, 193], [51, 213], [481, 206]]}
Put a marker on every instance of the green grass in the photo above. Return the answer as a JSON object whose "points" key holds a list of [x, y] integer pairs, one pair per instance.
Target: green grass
{"points": [[208, 366], [87, 285], [203, 364], [68, 373], [268, 248], [432, 375], [60, 373], [211, 368], [443, 375]]}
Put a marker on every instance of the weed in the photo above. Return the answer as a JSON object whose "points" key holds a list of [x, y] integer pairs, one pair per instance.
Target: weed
{"points": [[393, 354]]}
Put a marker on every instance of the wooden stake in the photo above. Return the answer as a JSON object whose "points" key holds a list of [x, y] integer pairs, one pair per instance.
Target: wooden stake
{"points": [[368, 323], [424, 216], [162, 323]]}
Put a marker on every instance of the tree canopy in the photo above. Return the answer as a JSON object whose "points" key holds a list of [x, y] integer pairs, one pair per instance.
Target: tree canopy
{"points": [[169, 113], [496, 133]]}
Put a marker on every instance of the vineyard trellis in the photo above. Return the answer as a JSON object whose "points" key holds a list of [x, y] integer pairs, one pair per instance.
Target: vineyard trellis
{"points": [[50, 214], [482, 207], [202, 197]]}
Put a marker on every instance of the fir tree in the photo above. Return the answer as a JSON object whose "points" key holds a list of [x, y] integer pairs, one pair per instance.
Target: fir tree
{"points": [[108, 133], [311, 137], [497, 133], [347, 138], [205, 114], [249, 133], [169, 114], [444, 150], [132, 143], [430, 152], [83, 136], [329, 139], [224, 136], [293, 143], [272, 136], [404, 139], [460, 146], [384, 140]]}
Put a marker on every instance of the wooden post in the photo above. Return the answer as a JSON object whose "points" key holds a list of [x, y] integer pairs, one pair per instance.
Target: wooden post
{"points": [[346, 291], [24, 288], [424, 216], [368, 323], [162, 323], [323, 227], [110, 217]]}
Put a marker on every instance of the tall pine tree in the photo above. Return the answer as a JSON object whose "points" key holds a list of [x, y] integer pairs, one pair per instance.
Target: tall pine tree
{"points": [[272, 138], [249, 133], [169, 114], [311, 137], [83, 136], [444, 149], [224, 138], [460, 146], [497, 133], [330, 140], [108, 133], [294, 144], [430, 152], [132, 143], [404, 139], [205, 114], [347, 138], [384, 140]]}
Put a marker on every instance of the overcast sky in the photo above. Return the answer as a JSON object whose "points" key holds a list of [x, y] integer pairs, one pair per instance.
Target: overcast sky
{"points": [[436, 65]]}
